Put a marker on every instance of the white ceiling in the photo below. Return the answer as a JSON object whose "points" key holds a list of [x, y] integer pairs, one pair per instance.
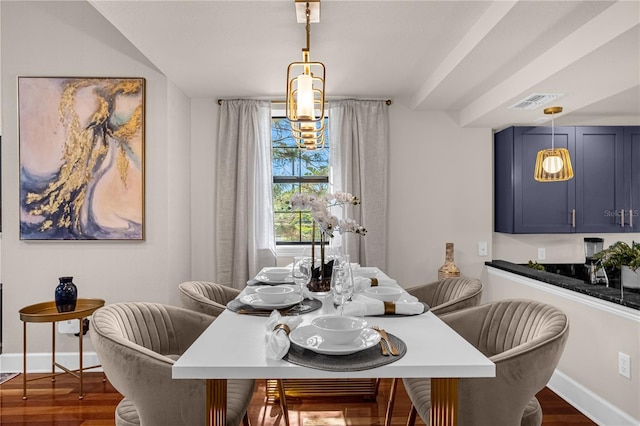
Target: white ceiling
{"points": [[473, 59]]}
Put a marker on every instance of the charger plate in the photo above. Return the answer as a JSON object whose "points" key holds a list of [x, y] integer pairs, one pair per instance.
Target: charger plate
{"points": [[310, 305], [361, 360]]}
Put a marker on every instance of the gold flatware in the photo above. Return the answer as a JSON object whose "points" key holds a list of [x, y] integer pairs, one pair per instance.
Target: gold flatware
{"points": [[253, 312], [383, 347], [392, 348]]}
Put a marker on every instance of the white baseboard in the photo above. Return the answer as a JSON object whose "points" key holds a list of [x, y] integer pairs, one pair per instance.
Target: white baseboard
{"points": [[41, 362], [588, 403]]}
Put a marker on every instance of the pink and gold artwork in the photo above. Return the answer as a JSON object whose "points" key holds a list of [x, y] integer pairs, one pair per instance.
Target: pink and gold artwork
{"points": [[81, 158]]}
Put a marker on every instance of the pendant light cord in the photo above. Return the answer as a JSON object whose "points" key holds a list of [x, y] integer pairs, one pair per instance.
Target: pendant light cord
{"points": [[552, 133]]}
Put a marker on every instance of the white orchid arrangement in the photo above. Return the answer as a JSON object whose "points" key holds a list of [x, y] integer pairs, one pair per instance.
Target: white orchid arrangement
{"points": [[320, 205]]}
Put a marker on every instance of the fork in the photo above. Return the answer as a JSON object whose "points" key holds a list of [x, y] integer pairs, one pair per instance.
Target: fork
{"points": [[394, 351]]}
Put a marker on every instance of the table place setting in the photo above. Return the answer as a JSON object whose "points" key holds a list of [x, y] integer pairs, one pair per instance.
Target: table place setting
{"points": [[275, 288], [331, 342]]}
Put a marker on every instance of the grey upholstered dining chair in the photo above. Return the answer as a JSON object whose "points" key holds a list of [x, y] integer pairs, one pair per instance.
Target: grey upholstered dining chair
{"points": [[137, 344], [525, 340], [206, 297], [211, 299], [442, 296]]}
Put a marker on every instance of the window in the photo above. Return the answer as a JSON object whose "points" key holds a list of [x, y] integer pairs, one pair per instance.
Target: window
{"points": [[295, 170]]}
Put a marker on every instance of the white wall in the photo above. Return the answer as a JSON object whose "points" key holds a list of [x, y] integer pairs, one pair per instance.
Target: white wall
{"points": [[72, 39], [440, 188], [204, 134]]}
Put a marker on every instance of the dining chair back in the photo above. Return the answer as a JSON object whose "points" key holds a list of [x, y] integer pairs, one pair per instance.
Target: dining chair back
{"points": [[137, 344], [525, 340], [446, 295], [206, 297], [449, 294]]}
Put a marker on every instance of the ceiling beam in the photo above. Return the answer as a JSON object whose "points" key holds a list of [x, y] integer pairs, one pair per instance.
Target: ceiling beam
{"points": [[487, 22], [604, 28]]}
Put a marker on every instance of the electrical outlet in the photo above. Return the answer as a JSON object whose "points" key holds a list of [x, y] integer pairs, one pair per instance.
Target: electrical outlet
{"points": [[624, 365], [542, 253], [483, 249], [68, 326]]}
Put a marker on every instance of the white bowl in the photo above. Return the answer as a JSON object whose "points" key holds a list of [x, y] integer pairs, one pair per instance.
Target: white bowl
{"points": [[277, 274], [338, 330], [274, 294], [386, 294]]}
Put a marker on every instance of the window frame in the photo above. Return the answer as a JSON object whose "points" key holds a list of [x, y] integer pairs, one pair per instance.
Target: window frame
{"points": [[299, 181]]}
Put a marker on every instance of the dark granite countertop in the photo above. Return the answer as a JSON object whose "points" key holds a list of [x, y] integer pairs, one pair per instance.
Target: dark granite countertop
{"points": [[629, 298]]}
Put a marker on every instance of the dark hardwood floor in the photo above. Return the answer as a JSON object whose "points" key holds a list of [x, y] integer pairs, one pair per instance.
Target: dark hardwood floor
{"points": [[57, 404]]}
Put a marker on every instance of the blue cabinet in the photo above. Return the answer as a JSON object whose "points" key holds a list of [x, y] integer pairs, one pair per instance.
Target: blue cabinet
{"points": [[606, 163], [599, 176], [632, 174]]}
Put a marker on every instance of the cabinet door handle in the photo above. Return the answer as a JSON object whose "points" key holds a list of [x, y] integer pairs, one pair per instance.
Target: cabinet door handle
{"points": [[622, 219], [573, 218]]}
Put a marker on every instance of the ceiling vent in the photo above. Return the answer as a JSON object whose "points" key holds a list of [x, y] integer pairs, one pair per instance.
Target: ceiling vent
{"points": [[536, 100]]}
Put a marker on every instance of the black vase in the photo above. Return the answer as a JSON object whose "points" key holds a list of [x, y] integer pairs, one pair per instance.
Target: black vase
{"points": [[66, 295]]}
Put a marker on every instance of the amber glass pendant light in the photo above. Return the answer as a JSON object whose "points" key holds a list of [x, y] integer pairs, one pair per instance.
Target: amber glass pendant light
{"points": [[554, 164]]}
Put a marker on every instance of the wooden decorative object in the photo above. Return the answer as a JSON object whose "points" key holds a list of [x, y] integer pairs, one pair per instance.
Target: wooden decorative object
{"points": [[449, 269]]}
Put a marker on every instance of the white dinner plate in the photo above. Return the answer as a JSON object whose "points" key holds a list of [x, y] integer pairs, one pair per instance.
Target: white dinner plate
{"points": [[307, 337], [265, 279], [255, 301]]}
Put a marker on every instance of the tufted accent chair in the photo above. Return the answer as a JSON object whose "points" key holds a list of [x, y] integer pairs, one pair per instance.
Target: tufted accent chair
{"points": [[137, 344], [206, 297], [447, 295], [525, 340]]}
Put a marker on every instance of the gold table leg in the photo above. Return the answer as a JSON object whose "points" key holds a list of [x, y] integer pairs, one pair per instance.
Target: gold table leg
{"points": [[444, 402], [81, 320], [24, 360], [216, 402]]}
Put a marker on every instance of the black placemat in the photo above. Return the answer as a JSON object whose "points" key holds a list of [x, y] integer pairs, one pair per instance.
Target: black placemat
{"points": [[310, 305], [362, 360]]}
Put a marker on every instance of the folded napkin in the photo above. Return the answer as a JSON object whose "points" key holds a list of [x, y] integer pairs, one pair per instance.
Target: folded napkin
{"points": [[278, 329], [363, 305], [364, 282]]}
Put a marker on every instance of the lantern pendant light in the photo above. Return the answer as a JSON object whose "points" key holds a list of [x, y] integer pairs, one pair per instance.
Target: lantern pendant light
{"points": [[553, 165], [305, 91]]}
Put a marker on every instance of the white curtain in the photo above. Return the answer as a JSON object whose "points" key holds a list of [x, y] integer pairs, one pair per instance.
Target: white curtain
{"points": [[245, 240], [359, 145]]}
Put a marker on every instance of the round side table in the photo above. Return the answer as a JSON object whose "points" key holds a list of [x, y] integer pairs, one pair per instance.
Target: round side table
{"points": [[47, 312]]}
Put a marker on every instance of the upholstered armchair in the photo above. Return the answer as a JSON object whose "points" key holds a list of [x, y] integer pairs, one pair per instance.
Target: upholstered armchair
{"points": [[447, 295], [206, 297], [525, 340], [137, 344]]}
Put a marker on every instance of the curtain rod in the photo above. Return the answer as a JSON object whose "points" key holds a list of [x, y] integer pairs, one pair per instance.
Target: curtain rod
{"points": [[388, 102]]}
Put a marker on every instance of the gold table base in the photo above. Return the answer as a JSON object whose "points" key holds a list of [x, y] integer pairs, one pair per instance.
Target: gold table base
{"points": [[444, 402]]}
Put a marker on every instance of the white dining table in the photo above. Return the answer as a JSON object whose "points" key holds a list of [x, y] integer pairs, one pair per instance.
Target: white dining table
{"points": [[234, 347]]}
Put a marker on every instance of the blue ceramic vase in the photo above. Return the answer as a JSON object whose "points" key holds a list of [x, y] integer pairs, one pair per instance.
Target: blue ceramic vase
{"points": [[66, 295]]}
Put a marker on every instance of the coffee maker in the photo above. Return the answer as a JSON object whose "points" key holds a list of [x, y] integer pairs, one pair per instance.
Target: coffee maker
{"points": [[592, 246]]}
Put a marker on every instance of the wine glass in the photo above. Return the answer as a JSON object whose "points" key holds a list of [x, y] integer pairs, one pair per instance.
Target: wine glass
{"points": [[341, 284], [301, 274]]}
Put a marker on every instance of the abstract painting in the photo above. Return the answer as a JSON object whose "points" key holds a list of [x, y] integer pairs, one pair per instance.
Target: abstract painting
{"points": [[81, 158]]}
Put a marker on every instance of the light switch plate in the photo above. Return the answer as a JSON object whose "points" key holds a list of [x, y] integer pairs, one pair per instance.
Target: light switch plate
{"points": [[542, 253], [483, 249]]}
